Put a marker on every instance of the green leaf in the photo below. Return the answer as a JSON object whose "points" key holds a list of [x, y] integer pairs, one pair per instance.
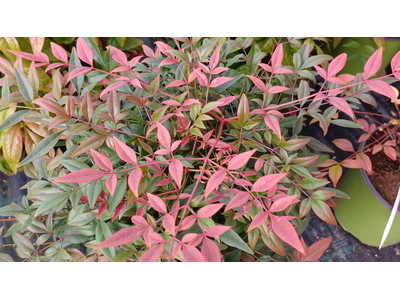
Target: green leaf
{"points": [[316, 60], [36, 226], [11, 210], [22, 242], [82, 219], [74, 61], [7, 258], [42, 148], [5, 92], [232, 239], [74, 165], [226, 85], [94, 190], [103, 232], [154, 85], [75, 197], [23, 84], [96, 52], [122, 257], [300, 170], [310, 183], [243, 109], [119, 194], [179, 54], [345, 123], [93, 142], [52, 202], [210, 106], [14, 119]]}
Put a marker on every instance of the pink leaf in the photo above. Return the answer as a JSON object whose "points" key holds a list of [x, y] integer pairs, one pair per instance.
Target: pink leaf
{"points": [[267, 182], [320, 71], [238, 200], [157, 203], [209, 210], [37, 44], [335, 80], [119, 56], [169, 224], [84, 52], [317, 249], [201, 77], [124, 152], [265, 67], [220, 80], [134, 61], [258, 220], [390, 152], [277, 89], [351, 164], [215, 58], [344, 144], [148, 51], [171, 103], [53, 66], [273, 123], [258, 83], [277, 57], [240, 160], [59, 52], [101, 160], [382, 88], [78, 71], [81, 176], [342, 105], [118, 210], [164, 48], [134, 181], [176, 171], [187, 223], [395, 63], [191, 254], [337, 64], [163, 136], [217, 230], [219, 70], [283, 203], [214, 182], [111, 87], [285, 231], [28, 56], [139, 220], [210, 251], [153, 254], [111, 183], [122, 237], [175, 83], [102, 209], [373, 64], [283, 71]]}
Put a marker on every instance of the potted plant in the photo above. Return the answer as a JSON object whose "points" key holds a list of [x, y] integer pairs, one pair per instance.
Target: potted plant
{"points": [[166, 158]]}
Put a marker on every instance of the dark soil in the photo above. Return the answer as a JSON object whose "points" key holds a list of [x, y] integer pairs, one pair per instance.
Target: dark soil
{"points": [[385, 172]]}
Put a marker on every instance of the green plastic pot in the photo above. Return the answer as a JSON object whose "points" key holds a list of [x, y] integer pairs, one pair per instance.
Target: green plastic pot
{"points": [[359, 49], [366, 213]]}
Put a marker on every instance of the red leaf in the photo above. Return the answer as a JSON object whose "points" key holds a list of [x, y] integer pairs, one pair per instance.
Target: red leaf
{"points": [[81, 176], [373, 64], [258, 220], [240, 160], [153, 254], [267, 182], [258, 83], [317, 249], [323, 211], [220, 80], [102, 161], [118, 210], [176, 171], [84, 52], [210, 251], [217, 230], [285, 231], [191, 254], [134, 181], [169, 224], [344, 144], [214, 182], [365, 162], [273, 123], [277, 57], [209, 210], [111, 87], [78, 71], [102, 209], [175, 83], [395, 63], [139, 220], [277, 89], [124, 152], [157, 203], [283, 203], [390, 152], [122, 237], [111, 183], [238, 200], [215, 58], [50, 106], [382, 88], [342, 105], [187, 223], [163, 136], [335, 173], [337, 64]]}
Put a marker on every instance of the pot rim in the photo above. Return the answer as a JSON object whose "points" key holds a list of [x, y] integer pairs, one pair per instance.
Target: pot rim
{"points": [[371, 186]]}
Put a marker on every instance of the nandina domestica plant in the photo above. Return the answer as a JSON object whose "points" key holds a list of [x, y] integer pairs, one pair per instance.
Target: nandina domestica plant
{"points": [[166, 158]]}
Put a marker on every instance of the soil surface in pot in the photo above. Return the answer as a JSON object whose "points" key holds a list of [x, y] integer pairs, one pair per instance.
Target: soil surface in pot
{"points": [[385, 175]]}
